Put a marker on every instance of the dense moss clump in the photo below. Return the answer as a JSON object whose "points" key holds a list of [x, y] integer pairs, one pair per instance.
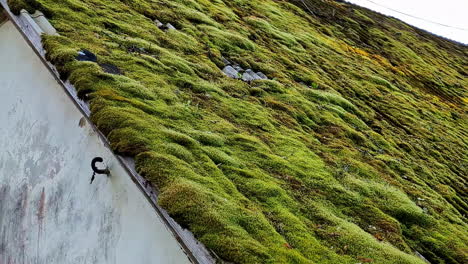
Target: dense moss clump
{"points": [[354, 151]]}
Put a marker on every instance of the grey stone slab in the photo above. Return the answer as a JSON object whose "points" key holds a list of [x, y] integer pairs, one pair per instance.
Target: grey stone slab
{"points": [[231, 72]]}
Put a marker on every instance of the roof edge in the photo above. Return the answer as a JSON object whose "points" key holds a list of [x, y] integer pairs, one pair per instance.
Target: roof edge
{"points": [[194, 249]]}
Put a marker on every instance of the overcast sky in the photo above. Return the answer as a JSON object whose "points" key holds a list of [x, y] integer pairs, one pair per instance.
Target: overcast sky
{"points": [[448, 12]]}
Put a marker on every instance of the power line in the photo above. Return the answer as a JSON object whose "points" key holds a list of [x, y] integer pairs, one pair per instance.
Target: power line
{"points": [[415, 17], [304, 3]]}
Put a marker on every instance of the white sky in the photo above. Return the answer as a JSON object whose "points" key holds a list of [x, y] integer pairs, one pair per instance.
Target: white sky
{"points": [[448, 12]]}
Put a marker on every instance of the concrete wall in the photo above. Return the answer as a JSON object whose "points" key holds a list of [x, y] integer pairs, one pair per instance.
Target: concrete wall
{"points": [[49, 211]]}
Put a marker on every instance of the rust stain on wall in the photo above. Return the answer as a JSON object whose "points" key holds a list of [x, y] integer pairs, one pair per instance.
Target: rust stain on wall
{"points": [[41, 208], [82, 122]]}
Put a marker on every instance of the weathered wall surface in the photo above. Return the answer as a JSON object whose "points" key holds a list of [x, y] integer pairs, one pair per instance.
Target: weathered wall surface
{"points": [[49, 212]]}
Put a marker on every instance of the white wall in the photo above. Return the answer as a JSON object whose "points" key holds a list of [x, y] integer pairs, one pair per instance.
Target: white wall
{"points": [[49, 212]]}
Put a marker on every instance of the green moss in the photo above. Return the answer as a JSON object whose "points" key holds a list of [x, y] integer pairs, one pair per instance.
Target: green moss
{"points": [[227, 41], [333, 98], [383, 82], [17, 5], [180, 138], [219, 157], [208, 138], [353, 150]]}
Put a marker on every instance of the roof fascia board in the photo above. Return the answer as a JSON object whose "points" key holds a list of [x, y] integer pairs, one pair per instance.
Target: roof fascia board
{"points": [[29, 20], [196, 251]]}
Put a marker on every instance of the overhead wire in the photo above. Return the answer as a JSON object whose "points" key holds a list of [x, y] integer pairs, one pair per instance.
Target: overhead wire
{"points": [[415, 17], [305, 4]]}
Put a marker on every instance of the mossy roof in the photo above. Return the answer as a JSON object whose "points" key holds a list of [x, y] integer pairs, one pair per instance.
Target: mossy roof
{"points": [[354, 151]]}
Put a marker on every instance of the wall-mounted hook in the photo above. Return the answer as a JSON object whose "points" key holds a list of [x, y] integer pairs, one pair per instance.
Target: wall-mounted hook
{"points": [[96, 170]]}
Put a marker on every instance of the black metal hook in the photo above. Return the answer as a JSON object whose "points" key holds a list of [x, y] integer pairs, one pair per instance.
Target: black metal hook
{"points": [[96, 170]]}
